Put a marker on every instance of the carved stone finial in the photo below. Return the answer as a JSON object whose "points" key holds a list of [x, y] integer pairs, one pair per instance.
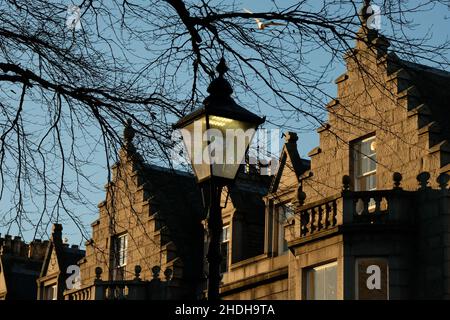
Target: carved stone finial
{"points": [[98, 273], [363, 13], [168, 274], [137, 272], [423, 179], [346, 183], [301, 196], [397, 177], [129, 132], [155, 272], [443, 180]]}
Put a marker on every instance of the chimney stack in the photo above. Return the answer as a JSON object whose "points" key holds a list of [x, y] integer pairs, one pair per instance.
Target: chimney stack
{"points": [[37, 249], [19, 248], [6, 245]]}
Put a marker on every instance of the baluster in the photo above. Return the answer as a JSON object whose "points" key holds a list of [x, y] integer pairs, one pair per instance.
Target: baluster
{"points": [[358, 206], [312, 217], [333, 215], [327, 215], [319, 218], [304, 219]]}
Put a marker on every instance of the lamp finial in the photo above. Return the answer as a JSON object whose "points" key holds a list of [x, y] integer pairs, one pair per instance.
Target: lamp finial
{"points": [[222, 67], [220, 86]]}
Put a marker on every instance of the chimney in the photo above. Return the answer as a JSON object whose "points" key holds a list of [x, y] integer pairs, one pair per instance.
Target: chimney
{"points": [[18, 247], [37, 249], [6, 248], [57, 232], [290, 137]]}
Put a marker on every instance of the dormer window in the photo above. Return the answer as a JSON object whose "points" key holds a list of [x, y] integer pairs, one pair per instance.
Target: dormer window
{"points": [[364, 164]]}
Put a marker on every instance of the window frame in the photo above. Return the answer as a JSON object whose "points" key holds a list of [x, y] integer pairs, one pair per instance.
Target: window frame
{"points": [[279, 225], [226, 241], [120, 250], [357, 159], [53, 289]]}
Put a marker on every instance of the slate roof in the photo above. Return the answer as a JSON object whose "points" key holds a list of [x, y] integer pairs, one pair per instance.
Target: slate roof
{"points": [[20, 275], [176, 198], [434, 88], [248, 190]]}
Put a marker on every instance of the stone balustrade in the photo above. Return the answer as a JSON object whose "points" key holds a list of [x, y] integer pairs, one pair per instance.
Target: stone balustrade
{"points": [[363, 207], [136, 289]]}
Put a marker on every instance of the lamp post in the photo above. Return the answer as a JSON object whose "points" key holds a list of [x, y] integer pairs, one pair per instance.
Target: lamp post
{"points": [[217, 137]]}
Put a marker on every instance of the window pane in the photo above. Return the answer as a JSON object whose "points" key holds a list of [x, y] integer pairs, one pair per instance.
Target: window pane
{"points": [[365, 148], [284, 213], [225, 248], [321, 282], [331, 283], [372, 165], [120, 250], [364, 164], [226, 233], [319, 285]]}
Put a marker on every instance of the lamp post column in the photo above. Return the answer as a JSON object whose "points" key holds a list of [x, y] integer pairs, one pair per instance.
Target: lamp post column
{"points": [[215, 232]]}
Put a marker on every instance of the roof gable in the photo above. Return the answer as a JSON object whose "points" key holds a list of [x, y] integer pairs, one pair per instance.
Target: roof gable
{"points": [[291, 165], [59, 256]]}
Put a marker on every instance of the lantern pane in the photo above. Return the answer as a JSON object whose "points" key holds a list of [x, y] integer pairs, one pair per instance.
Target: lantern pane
{"points": [[195, 141], [229, 142]]}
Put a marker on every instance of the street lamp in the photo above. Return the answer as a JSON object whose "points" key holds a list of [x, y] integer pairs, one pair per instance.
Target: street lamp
{"points": [[217, 137]]}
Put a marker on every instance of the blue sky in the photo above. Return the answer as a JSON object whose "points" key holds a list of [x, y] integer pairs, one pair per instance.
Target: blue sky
{"points": [[435, 23]]}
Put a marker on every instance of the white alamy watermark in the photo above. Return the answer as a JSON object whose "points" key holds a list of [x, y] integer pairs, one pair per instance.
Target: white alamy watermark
{"points": [[374, 20], [374, 280], [74, 280], [226, 147], [73, 19]]}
